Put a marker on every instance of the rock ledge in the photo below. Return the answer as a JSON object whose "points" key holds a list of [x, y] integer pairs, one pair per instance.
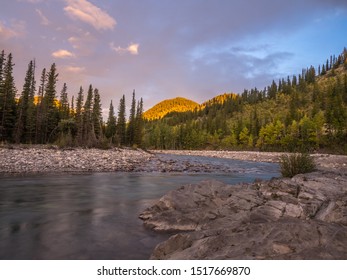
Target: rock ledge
{"points": [[300, 218]]}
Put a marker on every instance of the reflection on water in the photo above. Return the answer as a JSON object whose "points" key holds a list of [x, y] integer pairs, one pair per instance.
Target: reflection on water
{"points": [[90, 216]]}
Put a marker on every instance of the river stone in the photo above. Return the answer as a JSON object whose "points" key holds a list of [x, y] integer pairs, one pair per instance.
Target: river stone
{"points": [[300, 218]]}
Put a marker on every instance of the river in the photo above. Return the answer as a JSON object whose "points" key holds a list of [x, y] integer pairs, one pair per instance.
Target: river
{"points": [[95, 215]]}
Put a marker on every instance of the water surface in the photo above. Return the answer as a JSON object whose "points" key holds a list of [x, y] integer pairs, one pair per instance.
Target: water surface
{"points": [[95, 216]]}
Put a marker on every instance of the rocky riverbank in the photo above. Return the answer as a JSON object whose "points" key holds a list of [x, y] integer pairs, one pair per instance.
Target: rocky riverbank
{"points": [[300, 218], [50, 159], [323, 161], [53, 160]]}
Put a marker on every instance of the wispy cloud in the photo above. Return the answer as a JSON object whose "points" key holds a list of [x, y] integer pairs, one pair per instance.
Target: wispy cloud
{"points": [[132, 49], [89, 13], [6, 32], [16, 29], [63, 54], [75, 69], [44, 19]]}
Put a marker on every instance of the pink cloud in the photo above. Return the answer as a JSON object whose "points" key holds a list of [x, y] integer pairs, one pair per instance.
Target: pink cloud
{"points": [[87, 12], [63, 54], [132, 49]]}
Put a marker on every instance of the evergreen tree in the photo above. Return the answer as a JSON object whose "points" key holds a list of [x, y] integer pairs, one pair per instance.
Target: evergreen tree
{"points": [[72, 108], [8, 99], [2, 92], [25, 119], [40, 109], [111, 124], [121, 123], [64, 110], [323, 70], [31, 121], [131, 124], [88, 130], [139, 123], [51, 120], [97, 115], [78, 117]]}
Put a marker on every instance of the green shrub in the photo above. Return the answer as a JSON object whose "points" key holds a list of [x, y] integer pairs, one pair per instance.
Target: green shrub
{"points": [[294, 164]]}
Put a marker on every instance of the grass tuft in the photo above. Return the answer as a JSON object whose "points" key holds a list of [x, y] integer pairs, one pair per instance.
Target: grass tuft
{"points": [[293, 164]]}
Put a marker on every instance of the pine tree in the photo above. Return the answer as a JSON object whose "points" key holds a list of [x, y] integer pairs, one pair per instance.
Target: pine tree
{"points": [[72, 108], [40, 109], [97, 115], [64, 110], [131, 124], [51, 120], [111, 124], [8, 108], [78, 117], [323, 70], [139, 123], [272, 90], [88, 131], [25, 119], [2, 92], [121, 124]]}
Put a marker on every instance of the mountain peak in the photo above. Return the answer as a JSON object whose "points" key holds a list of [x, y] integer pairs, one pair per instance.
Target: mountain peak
{"points": [[178, 104]]}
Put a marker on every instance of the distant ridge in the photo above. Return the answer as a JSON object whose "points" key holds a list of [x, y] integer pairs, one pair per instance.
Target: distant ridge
{"points": [[178, 104], [181, 104], [219, 99]]}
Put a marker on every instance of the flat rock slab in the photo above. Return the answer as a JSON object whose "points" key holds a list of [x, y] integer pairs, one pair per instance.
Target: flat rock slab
{"points": [[300, 218]]}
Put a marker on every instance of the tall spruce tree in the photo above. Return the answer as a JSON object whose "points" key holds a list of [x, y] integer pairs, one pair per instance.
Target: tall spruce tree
{"points": [[25, 118], [139, 123], [88, 131], [111, 125], [40, 110], [64, 110], [97, 115], [8, 108], [2, 92], [121, 122], [132, 123], [78, 117], [51, 120], [72, 107]]}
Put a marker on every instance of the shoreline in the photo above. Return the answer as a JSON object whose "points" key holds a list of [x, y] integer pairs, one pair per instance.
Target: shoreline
{"points": [[51, 160], [48, 160], [323, 161]]}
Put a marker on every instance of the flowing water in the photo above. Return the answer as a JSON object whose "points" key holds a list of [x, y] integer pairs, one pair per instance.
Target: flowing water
{"points": [[95, 216]]}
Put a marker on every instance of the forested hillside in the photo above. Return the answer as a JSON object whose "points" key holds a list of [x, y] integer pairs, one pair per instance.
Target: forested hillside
{"points": [[305, 111], [178, 104], [38, 116]]}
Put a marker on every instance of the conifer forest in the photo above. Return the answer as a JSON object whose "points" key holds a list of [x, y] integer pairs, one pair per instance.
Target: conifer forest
{"points": [[307, 112]]}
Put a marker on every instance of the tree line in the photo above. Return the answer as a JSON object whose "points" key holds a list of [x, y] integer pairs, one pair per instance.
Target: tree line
{"points": [[302, 112], [41, 117]]}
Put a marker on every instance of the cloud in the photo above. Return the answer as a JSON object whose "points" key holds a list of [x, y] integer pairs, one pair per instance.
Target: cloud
{"points": [[75, 69], [6, 32], [44, 19], [132, 49], [85, 43], [63, 54], [16, 30], [89, 13]]}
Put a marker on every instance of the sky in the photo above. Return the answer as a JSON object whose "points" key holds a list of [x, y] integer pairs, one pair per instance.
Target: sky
{"points": [[163, 49]]}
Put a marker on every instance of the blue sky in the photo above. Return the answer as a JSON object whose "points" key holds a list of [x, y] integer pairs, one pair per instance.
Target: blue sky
{"points": [[163, 49]]}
